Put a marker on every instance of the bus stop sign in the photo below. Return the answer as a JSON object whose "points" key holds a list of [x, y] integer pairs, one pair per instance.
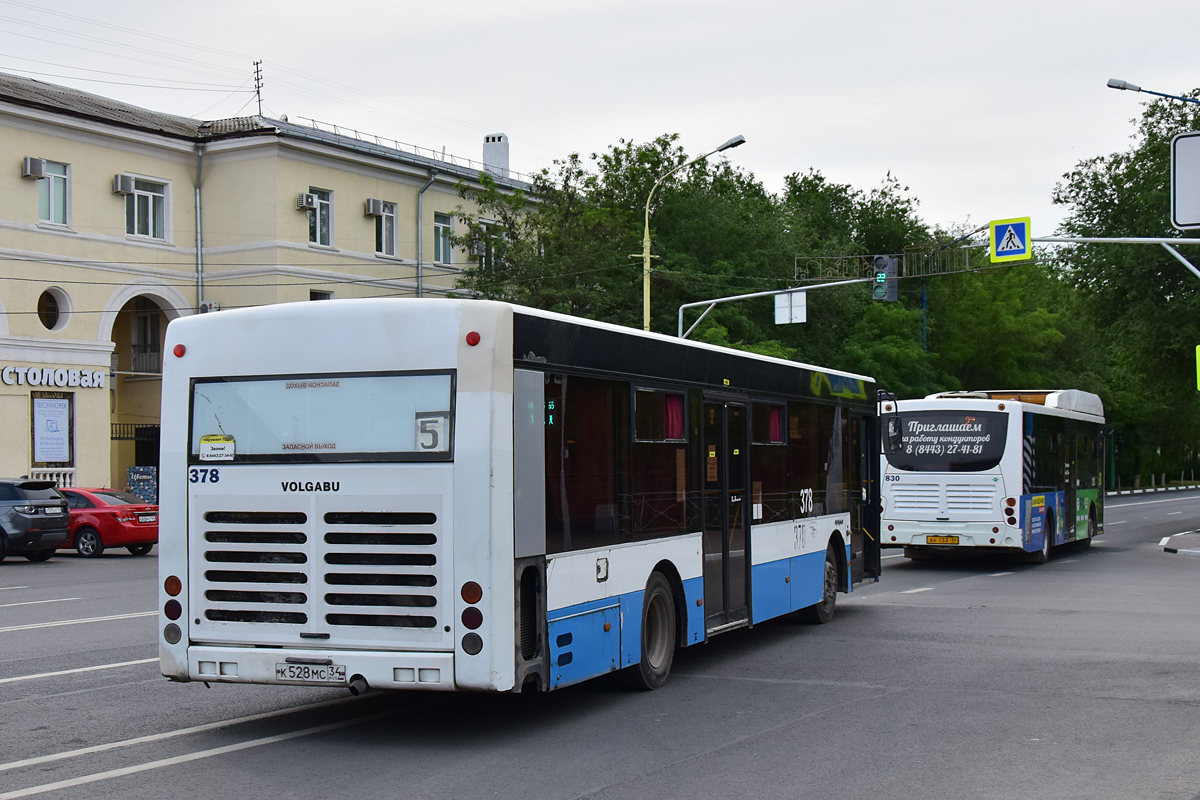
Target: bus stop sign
{"points": [[1185, 181]]}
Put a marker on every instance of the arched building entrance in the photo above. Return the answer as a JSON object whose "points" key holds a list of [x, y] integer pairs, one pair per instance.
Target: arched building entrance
{"points": [[136, 323]]}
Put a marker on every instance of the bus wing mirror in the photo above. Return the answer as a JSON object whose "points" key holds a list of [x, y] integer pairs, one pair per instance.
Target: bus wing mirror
{"points": [[893, 434]]}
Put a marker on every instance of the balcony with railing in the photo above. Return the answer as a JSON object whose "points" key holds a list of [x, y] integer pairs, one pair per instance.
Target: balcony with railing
{"points": [[146, 358]]}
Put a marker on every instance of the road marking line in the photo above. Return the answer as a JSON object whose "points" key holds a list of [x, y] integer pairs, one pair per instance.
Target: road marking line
{"points": [[1163, 542], [6, 588], [37, 602], [1120, 522], [898, 555], [1173, 513], [158, 737], [183, 759], [1067, 560], [999, 574], [914, 591], [1191, 499], [76, 621], [76, 670]]}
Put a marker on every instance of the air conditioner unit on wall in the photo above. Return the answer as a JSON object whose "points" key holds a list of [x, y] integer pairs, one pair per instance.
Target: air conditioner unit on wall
{"points": [[373, 207], [122, 184], [33, 168], [306, 201]]}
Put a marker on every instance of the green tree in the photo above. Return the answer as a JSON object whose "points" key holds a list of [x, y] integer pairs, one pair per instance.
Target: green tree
{"points": [[1139, 307]]}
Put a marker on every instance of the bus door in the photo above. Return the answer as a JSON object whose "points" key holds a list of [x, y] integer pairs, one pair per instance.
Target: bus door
{"points": [[865, 563], [1068, 522], [725, 513]]}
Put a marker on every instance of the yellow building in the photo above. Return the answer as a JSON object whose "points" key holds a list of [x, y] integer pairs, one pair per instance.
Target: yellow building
{"points": [[115, 220]]}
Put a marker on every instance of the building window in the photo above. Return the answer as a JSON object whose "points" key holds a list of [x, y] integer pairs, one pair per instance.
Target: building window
{"points": [[147, 352], [485, 245], [54, 309], [317, 294], [52, 194], [385, 231], [146, 210], [320, 219], [442, 254]]}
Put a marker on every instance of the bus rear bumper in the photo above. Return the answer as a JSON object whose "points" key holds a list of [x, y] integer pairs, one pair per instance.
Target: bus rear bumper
{"points": [[949, 535], [387, 670]]}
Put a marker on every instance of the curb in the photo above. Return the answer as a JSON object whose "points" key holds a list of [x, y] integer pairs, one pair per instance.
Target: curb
{"points": [[1157, 490]]}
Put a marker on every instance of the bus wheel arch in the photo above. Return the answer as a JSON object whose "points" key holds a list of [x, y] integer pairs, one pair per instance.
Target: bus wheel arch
{"points": [[667, 570], [837, 544]]}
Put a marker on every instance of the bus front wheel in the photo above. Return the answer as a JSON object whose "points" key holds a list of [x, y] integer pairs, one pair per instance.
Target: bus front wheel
{"points": [[1091, 530], [822, 612], [658, 636]]}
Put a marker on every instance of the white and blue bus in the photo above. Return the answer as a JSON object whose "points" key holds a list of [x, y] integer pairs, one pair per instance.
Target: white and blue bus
{"points": [[1018, 471], [470, 495]]}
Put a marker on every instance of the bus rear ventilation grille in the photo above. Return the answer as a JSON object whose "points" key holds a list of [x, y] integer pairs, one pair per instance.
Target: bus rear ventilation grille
{"points": [[256, 517], [381, 620], [277, 617], [415, 600], [357, 579], [232, 596], [246, 557], [380, 518], [385, 539], [382, 559], [250, 576], [255, 537]]}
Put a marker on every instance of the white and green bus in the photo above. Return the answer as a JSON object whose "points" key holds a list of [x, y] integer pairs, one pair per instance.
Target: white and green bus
{"points": [[1018, 471]]}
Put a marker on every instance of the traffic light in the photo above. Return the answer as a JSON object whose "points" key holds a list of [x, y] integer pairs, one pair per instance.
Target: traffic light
{"points": [[887, 270]]}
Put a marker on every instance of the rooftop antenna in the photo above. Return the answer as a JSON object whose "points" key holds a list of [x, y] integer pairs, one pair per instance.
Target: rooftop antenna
{"points": [[258, 84]]}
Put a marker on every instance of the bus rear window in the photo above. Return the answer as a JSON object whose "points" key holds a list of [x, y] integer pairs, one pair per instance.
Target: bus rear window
{"points": [[947, 441], [328, 418]]}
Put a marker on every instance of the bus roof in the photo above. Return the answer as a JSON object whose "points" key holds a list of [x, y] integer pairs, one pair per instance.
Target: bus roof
{"points": [[591, 323], [1075, 400]]}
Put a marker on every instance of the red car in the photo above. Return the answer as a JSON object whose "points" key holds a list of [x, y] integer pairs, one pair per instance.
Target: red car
{"points": [[103, 518]]}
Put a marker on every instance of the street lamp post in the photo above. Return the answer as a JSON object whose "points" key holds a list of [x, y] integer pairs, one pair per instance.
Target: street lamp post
{"points": [[1117, 83], [729, 145]]}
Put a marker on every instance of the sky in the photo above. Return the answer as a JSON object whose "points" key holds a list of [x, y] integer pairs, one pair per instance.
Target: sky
{"points": [[978, 108]]}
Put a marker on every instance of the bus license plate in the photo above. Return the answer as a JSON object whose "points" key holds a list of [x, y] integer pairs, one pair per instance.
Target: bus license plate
{"points": [[941, 540], [311, 673]]}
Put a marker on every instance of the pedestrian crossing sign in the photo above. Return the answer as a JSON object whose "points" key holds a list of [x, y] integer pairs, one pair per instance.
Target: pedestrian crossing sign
{"points": [[1010, 240]]}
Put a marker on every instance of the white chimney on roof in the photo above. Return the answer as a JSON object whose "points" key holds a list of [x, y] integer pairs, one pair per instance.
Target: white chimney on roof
{"points": [[495, 154]]}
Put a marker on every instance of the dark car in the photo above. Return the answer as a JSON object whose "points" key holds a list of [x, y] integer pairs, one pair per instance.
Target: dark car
{"points": [[103, 518], [33, 519]]}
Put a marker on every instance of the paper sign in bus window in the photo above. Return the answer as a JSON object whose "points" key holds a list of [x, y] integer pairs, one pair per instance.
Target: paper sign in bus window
{"points": [[216, 447]]}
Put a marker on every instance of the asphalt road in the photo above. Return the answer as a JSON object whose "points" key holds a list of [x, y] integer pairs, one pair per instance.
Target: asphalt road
{"points": [[970, 677]]}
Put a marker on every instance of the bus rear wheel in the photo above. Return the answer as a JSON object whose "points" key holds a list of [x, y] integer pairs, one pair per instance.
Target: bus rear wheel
{"points": [[1043, 555], [658, 636], [821, 612]]}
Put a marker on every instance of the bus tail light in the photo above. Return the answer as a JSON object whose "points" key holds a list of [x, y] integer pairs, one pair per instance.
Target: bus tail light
{"points": [[471, 592], [173, 586], [172, 609], [472, 618]]}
